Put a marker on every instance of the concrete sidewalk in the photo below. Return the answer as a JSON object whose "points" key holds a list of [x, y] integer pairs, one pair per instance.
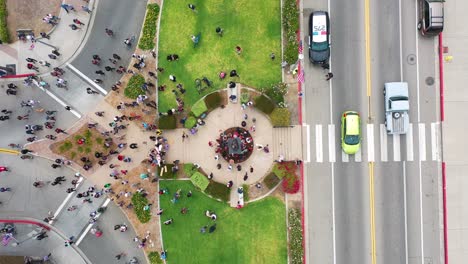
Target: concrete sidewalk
{"points": [[455, 38], [62, 37]]}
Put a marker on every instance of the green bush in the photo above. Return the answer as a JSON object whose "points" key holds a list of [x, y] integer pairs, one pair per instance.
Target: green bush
{"points": [[67, 145], [244, 97], [280, 117], [295, 236], [168, 174], [190, 122], [133, 88], [200, 181], [149, 28], [199, 108], [139, 202], [271, 180], [290, 26], [284, 169], [189, 169], [218, 190], [73, 154], [4, 36], [246, 192], [154, 258], [264, 104], [213, 100], [99, 140], [80, 149], [167, 122], [87, 150]]}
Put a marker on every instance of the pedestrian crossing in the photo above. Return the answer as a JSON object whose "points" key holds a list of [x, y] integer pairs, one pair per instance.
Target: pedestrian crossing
{"points": [[421, 143]]}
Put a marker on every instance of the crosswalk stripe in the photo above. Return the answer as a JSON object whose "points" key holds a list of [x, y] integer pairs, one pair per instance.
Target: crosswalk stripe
{"points": [[318, 143], [383, 143], [331, 143], [434, 141], [370, 142], [422, 142], [358, 156], [396, 148], [409, 143], [344, 157]]}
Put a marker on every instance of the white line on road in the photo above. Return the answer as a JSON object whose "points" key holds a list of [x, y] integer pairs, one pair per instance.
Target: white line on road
{"points": [[331, 143], [434, 136], [344, 156], [86, 78], [69, 196], [318, 143], [421, 223], [405, 212], [91, 225], [308, 141], [383, 143], [401, 42], [409, 143], [333, 212], [58, 100], [370, 142], [422, 142], [358, 156], [417, 65], [396, 148]]}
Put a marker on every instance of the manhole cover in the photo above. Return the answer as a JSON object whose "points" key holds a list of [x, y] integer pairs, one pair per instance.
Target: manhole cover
{"points": [[411, 59], [429, 81]]}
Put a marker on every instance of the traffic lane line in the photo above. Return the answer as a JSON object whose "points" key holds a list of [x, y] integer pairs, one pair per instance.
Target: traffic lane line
{"points": [[60, 101], [331, 143], [88, 80], [372, 212], [396, 148], [9, 151], [82, 236], [318, 143]]}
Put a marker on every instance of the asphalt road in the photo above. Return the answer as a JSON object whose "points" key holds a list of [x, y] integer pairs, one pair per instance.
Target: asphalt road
{"points": [[404, 169], [123, 17]]}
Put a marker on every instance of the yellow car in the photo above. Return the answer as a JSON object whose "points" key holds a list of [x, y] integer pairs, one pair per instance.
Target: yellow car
{"points": [[350, 132]]}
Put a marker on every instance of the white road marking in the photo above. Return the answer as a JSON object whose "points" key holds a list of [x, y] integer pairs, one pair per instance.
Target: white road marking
{"points": [[434, 140], [87, 79], [91, 225], [62, 103], [308, 141], [396, 148], [344, 156], [333, 212], [69, 196], [421, 223], [401, 42], [331, 143], [370, 142], [318, 143], [422, 142], [358, 156], [417, 72], [409, 143], [405, 212], [383, 143]]}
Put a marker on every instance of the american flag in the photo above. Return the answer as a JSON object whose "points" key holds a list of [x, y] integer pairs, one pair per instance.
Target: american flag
{"points": [[300, 76], [300, 47]]}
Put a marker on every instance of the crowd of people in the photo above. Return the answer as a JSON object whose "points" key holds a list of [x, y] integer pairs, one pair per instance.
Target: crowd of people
{"points": [[234, 144]]}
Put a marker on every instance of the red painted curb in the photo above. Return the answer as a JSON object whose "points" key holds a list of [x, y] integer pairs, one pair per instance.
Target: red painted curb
{"points": [[441, 77], [17, 76], [16, 221], [444, 200]]}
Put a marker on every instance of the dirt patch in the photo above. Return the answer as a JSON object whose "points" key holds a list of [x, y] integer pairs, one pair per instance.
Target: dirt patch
{"points": [[27, 14]]}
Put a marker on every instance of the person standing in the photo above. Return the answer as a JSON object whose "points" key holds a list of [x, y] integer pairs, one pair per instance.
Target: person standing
{"points": [[238, 50], [329, 76]]}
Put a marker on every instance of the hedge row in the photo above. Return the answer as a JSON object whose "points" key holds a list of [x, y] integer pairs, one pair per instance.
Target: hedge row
{"points": [[290, 26], [139, 202], [149, 28], [4, 36], [296, 251], [133, 88], [218, 190]]}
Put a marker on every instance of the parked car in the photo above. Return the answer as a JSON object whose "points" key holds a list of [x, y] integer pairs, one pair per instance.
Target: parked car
{"points": [[319, 37], [431, 17]]}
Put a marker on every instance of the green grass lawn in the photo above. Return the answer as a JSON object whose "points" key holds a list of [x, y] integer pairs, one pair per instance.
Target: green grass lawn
{"points": [[254, 234], [255, 26]]}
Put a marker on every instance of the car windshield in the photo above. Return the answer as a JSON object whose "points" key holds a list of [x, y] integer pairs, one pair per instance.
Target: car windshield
{"points": [[319, 46], [351, 139]]}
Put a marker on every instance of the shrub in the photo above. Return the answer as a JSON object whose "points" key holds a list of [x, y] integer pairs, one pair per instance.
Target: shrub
{"points": [[280, 117], [149, 28], [291, 184], [283, 169], [264, 104], [154, 258], [73, 154], [99, 140], [167, 122], [246, 188], [271, 180], [168, 174], [244, 97], [277, 92], [213, 100], [218, 190], [190, 122], [199, 108], [200, 181], [87, 150], [139, 202], [290, 26], [296, 249], [80, 149], [67, 145], [133, 88], [4, 36], [62, 148]]}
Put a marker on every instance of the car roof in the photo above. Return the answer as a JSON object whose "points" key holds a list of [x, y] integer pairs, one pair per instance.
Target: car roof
{"points": [[319, 19], [352, 124]]}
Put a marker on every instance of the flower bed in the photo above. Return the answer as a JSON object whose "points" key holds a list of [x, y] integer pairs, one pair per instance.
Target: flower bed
{"points": [[280, 117], [271, 180], [4, 36], [133, 88], [296, 250], [149, 28], [264, 104], [139, 202], [290, 26]]}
